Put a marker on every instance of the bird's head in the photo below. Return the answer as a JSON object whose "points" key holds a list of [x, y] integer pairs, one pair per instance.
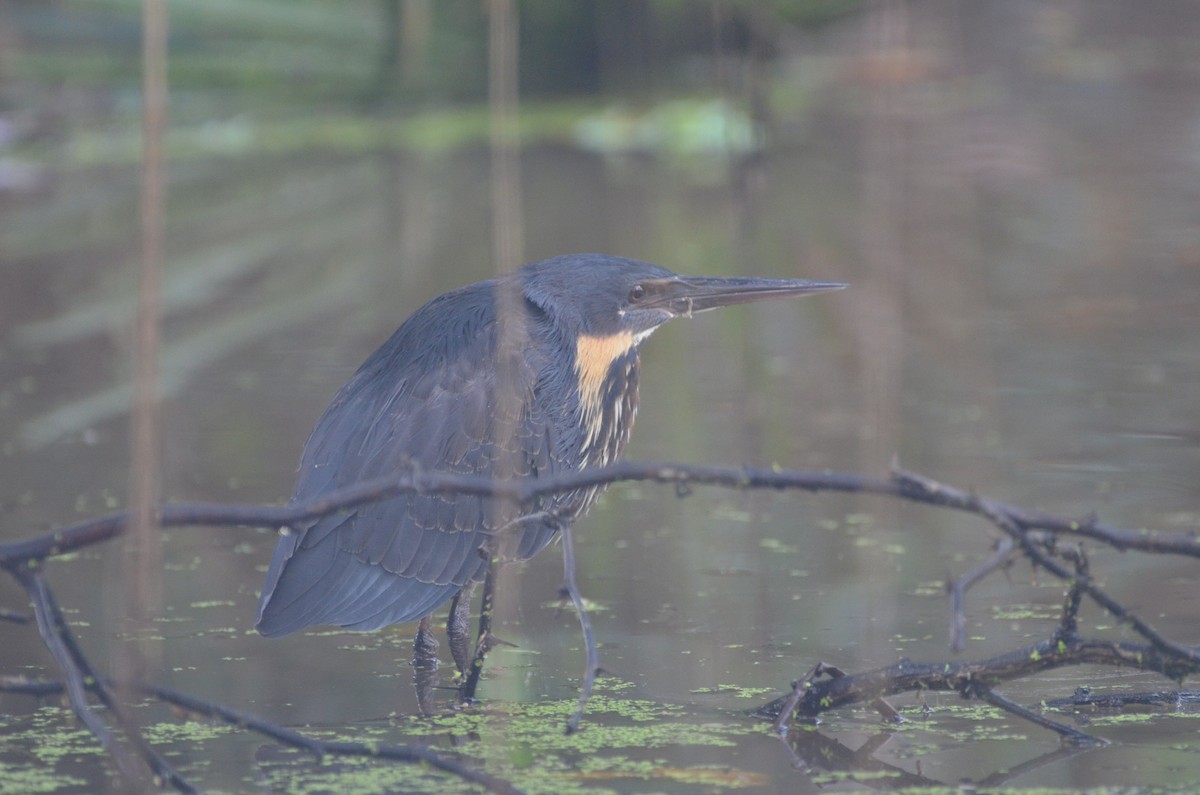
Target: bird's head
{"points": [[604, 307], [596, 295]]}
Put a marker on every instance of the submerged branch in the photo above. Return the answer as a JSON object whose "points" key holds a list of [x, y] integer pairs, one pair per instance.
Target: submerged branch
{"points": [[973, 679]]}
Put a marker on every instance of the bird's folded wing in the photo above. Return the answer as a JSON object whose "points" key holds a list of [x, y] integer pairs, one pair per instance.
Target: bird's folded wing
{"points": [[398, 559]]}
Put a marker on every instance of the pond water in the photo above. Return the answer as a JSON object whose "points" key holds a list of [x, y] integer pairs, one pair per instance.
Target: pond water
{"points": [[1023, 247]]}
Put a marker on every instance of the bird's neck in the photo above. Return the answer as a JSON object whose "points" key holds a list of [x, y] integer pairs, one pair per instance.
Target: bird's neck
{"points": [[606, 370]]}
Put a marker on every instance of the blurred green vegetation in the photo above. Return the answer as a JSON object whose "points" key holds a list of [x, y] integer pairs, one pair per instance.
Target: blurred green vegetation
{"points": [[280, 77], [263, 54]]}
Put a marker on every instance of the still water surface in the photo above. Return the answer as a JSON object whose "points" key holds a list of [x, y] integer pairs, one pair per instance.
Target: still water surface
{"points": [[1022, 321]]}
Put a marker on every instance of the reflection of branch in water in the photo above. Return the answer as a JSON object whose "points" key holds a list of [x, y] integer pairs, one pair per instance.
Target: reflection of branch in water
{"points": [[814, 751], [1035, 534], [1001, 778]]}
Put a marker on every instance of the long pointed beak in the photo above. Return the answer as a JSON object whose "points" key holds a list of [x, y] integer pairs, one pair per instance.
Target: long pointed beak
{"points": [[687, 295]]}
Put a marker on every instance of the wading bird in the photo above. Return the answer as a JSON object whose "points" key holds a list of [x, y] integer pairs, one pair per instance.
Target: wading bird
{"points": [[527, 375]]}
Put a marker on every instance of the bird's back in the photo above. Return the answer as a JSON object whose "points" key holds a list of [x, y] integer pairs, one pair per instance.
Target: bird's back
{"points": [[453, 390]]}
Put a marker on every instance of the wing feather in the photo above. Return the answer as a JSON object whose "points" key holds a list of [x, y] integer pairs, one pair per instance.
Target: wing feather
{"points": [[429, 396]]}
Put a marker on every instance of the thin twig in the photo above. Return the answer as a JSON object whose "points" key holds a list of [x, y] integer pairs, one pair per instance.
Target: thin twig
{"points": [[798, 689], [1068, 625], [14, 616], [957, 589], [30, 687], [1006, 523], [904, 485]]}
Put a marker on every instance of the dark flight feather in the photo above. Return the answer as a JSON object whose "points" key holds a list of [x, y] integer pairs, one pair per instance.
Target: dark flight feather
{"points": [[422, 399]]}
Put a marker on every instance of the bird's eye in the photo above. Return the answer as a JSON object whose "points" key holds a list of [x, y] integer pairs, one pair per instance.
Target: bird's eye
{"points": [[637, 293]]}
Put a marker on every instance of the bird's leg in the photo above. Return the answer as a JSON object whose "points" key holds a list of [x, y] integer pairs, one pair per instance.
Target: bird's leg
{"points": [[425, 645], [458, 627], [425, 665], [425, 679], [466, 690]]}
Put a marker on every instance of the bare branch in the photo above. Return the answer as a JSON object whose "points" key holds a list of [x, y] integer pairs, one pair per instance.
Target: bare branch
{"points": [[282, 734], [798, 689], [14, 616], [904, 485], [1005, 522], [974, 678], [957, 589]]}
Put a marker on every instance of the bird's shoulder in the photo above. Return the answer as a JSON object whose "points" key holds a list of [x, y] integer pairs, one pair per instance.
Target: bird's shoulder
{"points": [[435, 393]]}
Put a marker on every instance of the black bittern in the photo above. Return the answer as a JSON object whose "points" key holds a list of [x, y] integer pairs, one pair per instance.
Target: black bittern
{"points": [[527, 375]]}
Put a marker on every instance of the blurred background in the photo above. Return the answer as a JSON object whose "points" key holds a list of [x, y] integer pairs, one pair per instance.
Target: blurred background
{"points": [[1012, 188]]}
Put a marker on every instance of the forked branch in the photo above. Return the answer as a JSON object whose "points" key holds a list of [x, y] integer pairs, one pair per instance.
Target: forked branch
{"points": [[1034, 535]]}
